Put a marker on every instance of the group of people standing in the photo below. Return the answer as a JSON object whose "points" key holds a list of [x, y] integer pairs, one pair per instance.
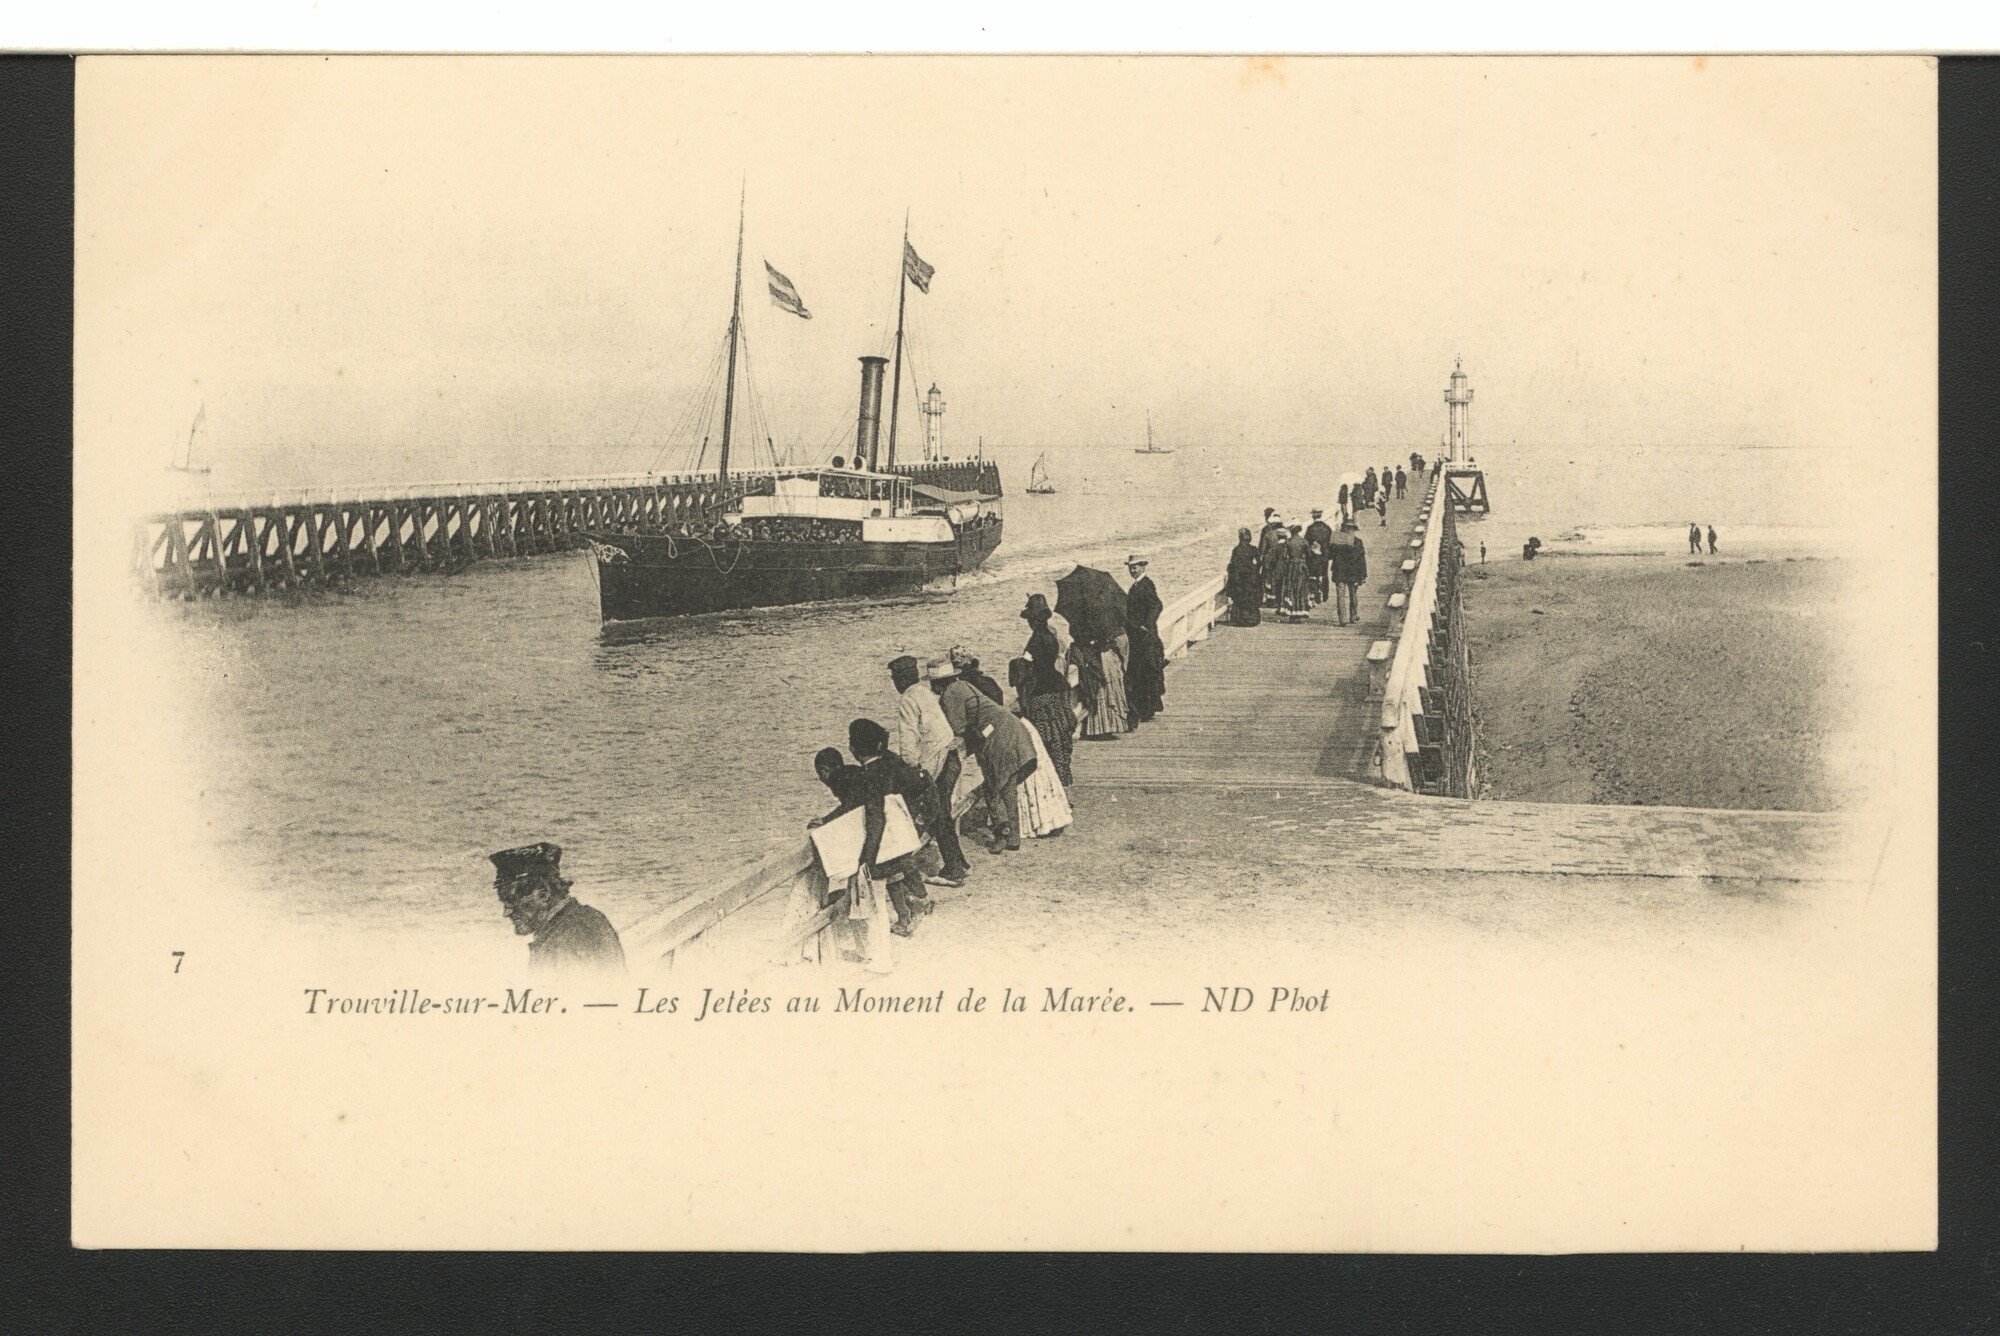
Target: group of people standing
{"points": [[1293, 569], [1694, 538], [1098, 684]]}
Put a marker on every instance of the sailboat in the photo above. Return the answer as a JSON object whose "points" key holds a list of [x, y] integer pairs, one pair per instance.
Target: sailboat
{"points": [[1149, 448], [185, 464], [855, 528], [1038, 476]]}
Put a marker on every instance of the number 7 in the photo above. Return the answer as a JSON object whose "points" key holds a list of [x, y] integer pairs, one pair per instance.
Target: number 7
{"points": [[177, 960]]}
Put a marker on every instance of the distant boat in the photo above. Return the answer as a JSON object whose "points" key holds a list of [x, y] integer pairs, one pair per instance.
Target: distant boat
{"points": [[1038, 477], [186, 464], [1149, 448]]}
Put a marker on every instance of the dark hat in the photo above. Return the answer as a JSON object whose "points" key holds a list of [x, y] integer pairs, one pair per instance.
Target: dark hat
{"points": [[905, 663], [529, 860], [1038, 607]]}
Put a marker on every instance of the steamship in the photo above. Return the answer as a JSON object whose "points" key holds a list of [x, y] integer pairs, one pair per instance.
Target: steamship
{"points": [[858, 528]]}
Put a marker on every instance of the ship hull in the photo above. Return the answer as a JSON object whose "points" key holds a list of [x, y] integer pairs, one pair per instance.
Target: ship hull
{"points": [[653, 575]]}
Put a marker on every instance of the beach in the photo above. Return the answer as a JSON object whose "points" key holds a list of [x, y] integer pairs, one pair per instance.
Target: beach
{"points": [[1658, 680]]}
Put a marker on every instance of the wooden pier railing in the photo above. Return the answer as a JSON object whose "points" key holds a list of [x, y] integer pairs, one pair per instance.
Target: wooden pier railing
{"points": [[1426, 719], [657, 944], [315, 539]]}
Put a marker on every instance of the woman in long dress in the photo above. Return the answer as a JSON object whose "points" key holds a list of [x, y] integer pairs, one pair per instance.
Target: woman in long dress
{"points": [[1101, 681], [1042, 687], [1045, 807], [1245, 582]]}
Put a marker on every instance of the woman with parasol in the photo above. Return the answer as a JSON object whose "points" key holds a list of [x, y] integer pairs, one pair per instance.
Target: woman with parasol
{"points": [[1094, 606]]}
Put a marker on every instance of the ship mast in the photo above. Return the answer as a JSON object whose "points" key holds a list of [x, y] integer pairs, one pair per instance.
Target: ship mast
{"points": [[735, 324], [902, 296]]}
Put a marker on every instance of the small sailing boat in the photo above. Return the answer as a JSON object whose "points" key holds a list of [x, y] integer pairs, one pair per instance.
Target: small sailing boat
{"points": [[1038, 477], [1149, 448], [185, 463]]}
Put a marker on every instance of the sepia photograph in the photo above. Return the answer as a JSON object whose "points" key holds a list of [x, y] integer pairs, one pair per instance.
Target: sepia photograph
{"points": [[1015, 652]]}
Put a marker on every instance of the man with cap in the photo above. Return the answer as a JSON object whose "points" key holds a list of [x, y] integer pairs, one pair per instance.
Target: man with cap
{"points": [[1319, 553], [998, 739], [924, 739], [566, 937], [1146, 670], [1349, 569]]}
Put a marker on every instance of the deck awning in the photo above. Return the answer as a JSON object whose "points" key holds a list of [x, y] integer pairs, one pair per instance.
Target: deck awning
{"points": [[944, 496]]}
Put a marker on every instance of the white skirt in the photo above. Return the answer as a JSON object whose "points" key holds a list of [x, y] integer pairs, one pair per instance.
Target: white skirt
{"points": [[1044, 804]]}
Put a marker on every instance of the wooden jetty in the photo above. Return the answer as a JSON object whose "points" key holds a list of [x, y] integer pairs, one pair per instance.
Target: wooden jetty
{"points": [[319, 540]]}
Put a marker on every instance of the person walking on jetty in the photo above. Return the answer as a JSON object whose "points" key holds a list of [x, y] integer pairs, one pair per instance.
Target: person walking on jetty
{"points": [[1146, 668], [924, 738], [1711, 540], [1244, 582], [1267, 547], [1319, 536], [1044, 689], [1402, 484], [998, 740], [1350, 571], [1341, 501], [1694, 538], [1368, 487], [567, 939], [1045, 809], [1294, 579], [1382, 506]]}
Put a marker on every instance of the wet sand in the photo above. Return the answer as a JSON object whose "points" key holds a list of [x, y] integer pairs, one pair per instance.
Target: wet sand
{"points": [[1653, 681]]}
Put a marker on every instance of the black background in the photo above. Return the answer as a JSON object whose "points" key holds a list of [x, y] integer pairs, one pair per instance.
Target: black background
{"points": [[54, 1288]]}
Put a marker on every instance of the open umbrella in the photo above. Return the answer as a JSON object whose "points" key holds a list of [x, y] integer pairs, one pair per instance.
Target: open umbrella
{"points": [[1092, 602]]}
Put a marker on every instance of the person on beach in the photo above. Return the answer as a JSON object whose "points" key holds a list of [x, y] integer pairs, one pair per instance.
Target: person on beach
{"points": [[566, 939], [1402, 484], [1146, 668], [998, 740], [1350, 570], [1319, 535], [924, 738], [1482, 551], [1711, 540], [1294, 579], [1244, 581], [1045, 809], [1694, 538], [1044, 690]]}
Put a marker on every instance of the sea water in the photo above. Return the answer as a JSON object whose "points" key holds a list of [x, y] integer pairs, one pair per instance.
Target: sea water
{"points": [[368, 747]]}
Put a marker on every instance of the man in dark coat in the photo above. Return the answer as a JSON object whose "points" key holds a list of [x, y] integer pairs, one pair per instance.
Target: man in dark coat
{"points": [[1402, 484], [1350, 570], [1146, 669], [1319, 555], [566, 939], [881, 772], [1268, 542], [1245, 582]]}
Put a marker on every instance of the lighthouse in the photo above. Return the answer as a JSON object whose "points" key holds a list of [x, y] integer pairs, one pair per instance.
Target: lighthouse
{"points": [[1464, 483], [933, 411], [1458, 399]]}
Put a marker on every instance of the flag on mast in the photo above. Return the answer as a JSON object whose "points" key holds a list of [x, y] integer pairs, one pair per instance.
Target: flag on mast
{"points": [[783, 295], [915, 269]]}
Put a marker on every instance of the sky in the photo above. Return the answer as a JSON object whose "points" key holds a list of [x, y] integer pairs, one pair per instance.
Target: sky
{"points": [[335, 255]]}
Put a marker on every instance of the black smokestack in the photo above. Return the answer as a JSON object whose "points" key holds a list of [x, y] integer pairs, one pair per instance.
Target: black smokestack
{"points": [[868, 429]]}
